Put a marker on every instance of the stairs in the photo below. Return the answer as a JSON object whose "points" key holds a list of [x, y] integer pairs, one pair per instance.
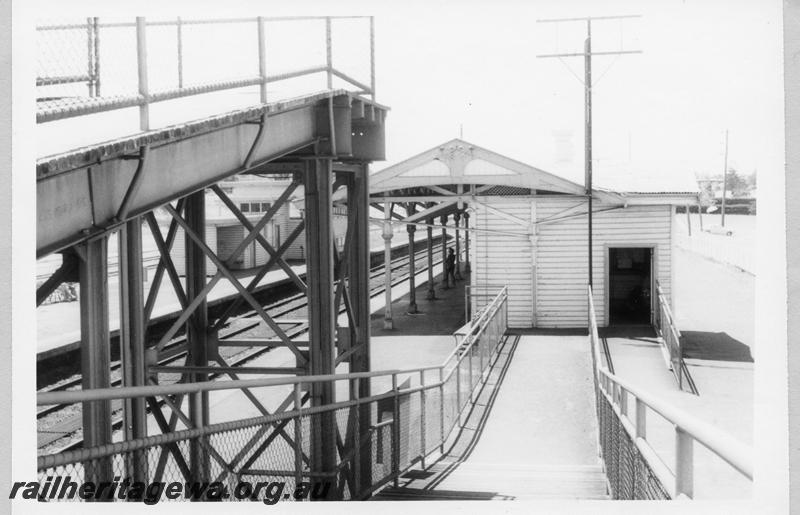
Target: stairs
{"points": [[490, 481]]}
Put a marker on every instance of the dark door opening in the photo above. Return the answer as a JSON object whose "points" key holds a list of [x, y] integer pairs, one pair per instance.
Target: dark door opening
{"points": [[630, 285]]}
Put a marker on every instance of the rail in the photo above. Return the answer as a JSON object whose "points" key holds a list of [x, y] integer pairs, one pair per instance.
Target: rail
{"points": [[477, 297], [421, 409], [111, 61], [634, 468], [667, 329]]}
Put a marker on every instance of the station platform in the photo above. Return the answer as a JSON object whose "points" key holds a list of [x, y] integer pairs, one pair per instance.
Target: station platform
{"points": [[58, 324], [418, 340], [441, 316]]}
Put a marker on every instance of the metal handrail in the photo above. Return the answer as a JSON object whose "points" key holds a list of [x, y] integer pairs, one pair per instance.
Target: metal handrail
{"points": [[129, 392], [727, 447], [95, 103], [668, 330], [688, 428], [198, 21], [483, 290]]}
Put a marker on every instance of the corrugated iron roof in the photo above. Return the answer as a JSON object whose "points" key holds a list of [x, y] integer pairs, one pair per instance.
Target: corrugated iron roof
{"points": [[633, 178]]}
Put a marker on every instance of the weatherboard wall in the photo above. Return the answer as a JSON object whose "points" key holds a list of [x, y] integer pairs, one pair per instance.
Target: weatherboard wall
{"points": [[500, 257], [562, 256], [547, 275]]}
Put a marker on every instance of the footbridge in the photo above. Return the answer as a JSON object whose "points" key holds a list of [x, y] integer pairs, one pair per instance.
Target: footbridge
{"points": [[403, 381]]}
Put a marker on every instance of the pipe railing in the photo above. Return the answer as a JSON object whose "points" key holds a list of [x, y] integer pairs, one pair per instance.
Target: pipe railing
{"points": [[667, 329], [131, 392], [432, 399], [60, 107], [678, 481], [477, 297]]}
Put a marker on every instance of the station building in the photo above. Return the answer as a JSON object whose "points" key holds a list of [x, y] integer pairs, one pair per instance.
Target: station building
{"points": [[254, 196], [529, 231]]}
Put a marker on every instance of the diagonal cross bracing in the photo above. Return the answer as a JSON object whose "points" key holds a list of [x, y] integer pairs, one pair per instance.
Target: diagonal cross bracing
{"points": [[164, 248], [260, 238], [260, 275], [222, 270]]}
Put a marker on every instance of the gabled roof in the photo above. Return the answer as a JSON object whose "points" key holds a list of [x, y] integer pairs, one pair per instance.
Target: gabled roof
{"points": [[460, 162]]}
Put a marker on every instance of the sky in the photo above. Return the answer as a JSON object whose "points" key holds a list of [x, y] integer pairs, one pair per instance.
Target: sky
{"points": [[444, 67], [705, 67]]}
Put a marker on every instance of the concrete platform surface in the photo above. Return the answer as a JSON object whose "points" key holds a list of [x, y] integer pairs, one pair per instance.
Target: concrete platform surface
{"points": [[531, 435], [544, 414]]}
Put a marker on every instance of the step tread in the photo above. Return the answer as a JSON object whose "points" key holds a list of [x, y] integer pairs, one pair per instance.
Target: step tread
{"points": [[420, 494]]}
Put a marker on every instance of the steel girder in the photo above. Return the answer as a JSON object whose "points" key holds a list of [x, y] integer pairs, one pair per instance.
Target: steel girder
{"points": [[93, 190]]}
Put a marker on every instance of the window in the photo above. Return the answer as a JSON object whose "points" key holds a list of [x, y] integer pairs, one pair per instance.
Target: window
{"points": [[265, 206], [245, 207]]}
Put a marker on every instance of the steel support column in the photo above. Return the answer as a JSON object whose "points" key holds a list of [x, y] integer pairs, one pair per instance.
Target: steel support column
{"points": [[412, 283], [445, 280], [431, 291], [132, 340], [95, 352], [358, 282], [388, 323], [197, 341], [457, 220], [321, 315]]}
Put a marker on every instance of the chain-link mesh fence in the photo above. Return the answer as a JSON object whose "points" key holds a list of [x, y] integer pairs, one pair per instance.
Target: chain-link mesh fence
{"points": [[91, 65], [629, 474]]}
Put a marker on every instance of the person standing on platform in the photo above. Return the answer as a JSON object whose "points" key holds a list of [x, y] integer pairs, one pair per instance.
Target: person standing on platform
{"points": [[450, 268]]}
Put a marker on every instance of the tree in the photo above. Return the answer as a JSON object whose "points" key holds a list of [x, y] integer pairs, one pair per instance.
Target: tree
{"points": [[736, 183]]}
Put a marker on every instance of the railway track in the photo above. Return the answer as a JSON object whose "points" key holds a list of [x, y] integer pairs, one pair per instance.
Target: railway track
{"points": [[60, 425]]}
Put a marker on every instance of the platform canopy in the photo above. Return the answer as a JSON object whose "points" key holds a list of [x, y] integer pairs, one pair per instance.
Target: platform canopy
{"points": [[447, 178]]}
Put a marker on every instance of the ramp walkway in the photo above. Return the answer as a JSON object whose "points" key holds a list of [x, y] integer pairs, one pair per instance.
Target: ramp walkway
{"points": [[531, 434], [638, 356]]}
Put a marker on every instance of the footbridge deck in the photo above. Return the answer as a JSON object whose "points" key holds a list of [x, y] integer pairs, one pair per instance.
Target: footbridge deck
{"points": [[91, 190]]}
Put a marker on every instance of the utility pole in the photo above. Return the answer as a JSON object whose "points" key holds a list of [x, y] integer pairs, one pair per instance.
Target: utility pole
{"points": [[725, 178], [587, 83]]}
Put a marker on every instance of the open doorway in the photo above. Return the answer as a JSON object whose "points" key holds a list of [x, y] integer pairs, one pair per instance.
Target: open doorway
{"points": [[630, 276]]}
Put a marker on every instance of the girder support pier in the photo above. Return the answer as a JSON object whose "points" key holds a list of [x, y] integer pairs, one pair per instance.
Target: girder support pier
{"points": [[132, 341], [95, 351], [197, 341], [321, 312]]}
